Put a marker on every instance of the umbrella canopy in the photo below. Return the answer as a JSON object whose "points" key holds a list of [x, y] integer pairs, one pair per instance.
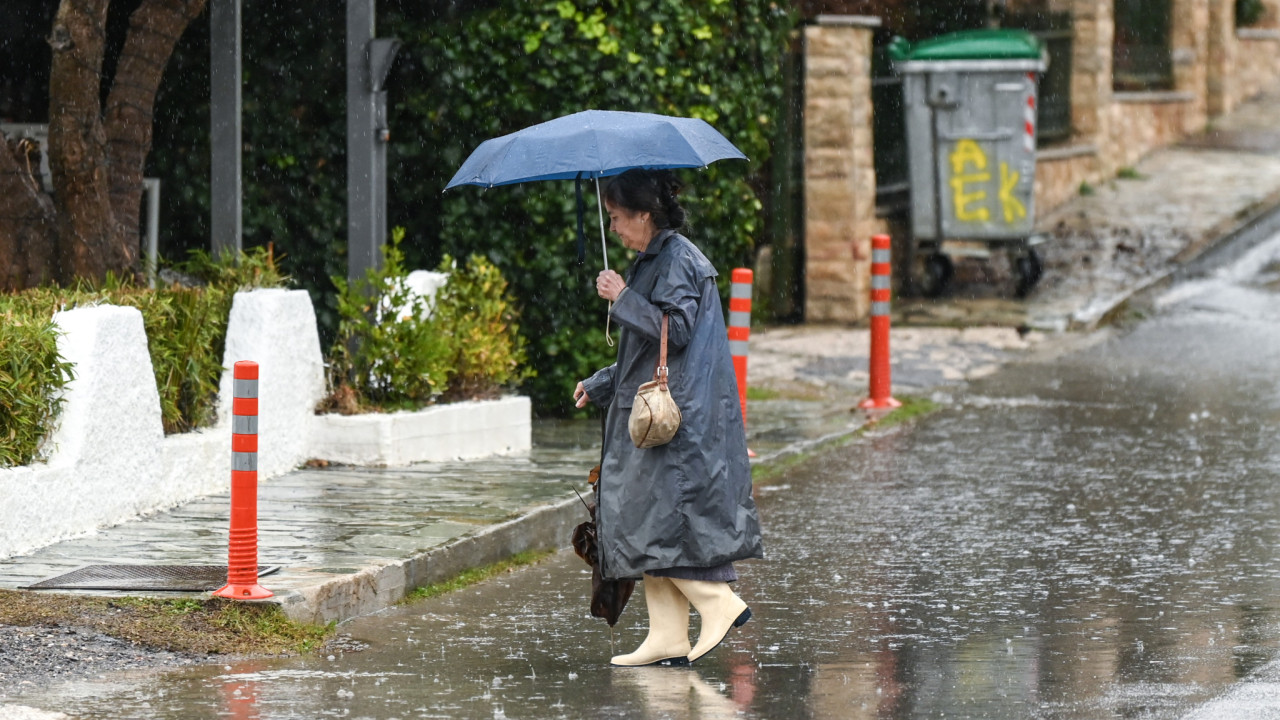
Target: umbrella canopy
{"points": [[594, 144]]}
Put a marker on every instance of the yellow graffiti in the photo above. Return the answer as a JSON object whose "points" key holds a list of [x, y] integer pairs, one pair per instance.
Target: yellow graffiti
{"points": [[967, 152], [1013, 208], [962, 200]]}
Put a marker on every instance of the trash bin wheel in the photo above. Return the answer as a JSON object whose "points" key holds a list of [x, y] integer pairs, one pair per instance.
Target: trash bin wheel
{"points": [[1028, 268], [936, 274]]}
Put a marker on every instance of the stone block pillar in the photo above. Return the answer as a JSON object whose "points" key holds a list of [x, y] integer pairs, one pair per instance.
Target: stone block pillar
{"points": [[1222, 48], [1189, 46], [839, 169], [1091, 69]]}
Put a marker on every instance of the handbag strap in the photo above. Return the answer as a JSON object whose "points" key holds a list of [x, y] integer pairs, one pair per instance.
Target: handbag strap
{"points": [[660, 371]]}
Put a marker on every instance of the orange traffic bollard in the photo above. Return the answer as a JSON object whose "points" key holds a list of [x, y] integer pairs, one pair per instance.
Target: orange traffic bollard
{"points": [[242, 553], [881, 382], [740, 332]]}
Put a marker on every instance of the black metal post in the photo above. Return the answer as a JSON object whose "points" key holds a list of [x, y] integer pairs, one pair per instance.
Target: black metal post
{"points": [[368, 61], [224, 117]]}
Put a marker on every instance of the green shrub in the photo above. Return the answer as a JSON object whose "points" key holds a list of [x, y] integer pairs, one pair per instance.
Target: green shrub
{"points": [[187, 328], [186, 334], [32, 376], [477, 311], [254, 268], [402, 364], [464, 345]]}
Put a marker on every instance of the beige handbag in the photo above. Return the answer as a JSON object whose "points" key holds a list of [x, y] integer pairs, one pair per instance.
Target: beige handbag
{"points": [[654, 416]]}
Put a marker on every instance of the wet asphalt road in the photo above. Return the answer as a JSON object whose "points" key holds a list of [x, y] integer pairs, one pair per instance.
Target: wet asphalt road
{"points": [[1096, 536]]}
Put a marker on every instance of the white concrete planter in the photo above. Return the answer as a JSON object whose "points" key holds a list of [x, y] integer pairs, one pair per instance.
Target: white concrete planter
{"points": [[109, 460], [459, 431]]}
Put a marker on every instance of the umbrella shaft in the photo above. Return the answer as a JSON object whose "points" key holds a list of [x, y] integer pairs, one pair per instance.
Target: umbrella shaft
{"points": [[604, 250]]}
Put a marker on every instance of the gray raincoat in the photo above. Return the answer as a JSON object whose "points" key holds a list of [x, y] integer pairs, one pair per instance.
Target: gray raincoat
{"points": [[687, 503]]}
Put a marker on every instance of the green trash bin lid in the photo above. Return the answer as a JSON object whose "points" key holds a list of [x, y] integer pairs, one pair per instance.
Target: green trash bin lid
{"points": [[970, 45]]}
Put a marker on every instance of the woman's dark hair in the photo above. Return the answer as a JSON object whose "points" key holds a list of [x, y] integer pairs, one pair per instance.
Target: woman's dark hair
{"points": [[651, 191]]}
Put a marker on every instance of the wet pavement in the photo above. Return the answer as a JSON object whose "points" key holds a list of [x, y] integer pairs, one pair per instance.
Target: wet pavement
{"points": [[1091, 536], [1088, 533]]}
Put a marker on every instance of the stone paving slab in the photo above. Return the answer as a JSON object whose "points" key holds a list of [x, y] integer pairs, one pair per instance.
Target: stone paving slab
{"points": [[327, 527]]}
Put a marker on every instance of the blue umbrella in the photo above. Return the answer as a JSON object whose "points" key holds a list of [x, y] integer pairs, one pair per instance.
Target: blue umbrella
{"points": [[594, 144]]}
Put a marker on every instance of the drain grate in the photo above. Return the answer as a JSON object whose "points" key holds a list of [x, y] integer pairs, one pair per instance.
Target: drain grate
{"points": [[175, 578]]}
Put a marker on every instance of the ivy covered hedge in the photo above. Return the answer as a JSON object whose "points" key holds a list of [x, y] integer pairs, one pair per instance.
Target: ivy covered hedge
{"points": [[468, 72]]}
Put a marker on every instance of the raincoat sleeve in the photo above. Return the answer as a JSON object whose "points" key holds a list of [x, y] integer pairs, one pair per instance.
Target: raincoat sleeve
{"points": [[675, 294], [599, 387]]}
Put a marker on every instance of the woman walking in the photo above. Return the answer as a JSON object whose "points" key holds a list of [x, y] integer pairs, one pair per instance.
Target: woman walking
{"points": [[677, 515]]}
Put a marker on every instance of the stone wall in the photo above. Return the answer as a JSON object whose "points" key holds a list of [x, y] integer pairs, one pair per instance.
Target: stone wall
{"points": [[1189, 47], [1221, 79], [1257, 62], [839, 181], [1059, 173], [1142, 122]]}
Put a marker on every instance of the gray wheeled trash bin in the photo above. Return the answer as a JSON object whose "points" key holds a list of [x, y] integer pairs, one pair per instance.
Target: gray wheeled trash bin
{"points": [[970, 104]]}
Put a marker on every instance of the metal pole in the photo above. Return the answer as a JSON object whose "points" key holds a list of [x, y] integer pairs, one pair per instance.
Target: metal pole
{"points": [[366, 199], [224, 119], [152, 186]]}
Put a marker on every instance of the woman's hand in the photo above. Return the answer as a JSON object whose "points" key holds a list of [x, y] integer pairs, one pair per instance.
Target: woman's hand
{"points": [[580, 398], [609, 285]]}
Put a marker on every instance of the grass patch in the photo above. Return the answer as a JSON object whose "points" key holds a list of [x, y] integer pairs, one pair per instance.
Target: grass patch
{"points": [[1086, 189], [190, 625], [759, 393], [1130, 173], [480, 574], [912, 408]]}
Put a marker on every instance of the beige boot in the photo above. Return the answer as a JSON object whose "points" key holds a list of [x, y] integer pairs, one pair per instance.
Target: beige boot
{"points": [[720, 608], [668, 639]]}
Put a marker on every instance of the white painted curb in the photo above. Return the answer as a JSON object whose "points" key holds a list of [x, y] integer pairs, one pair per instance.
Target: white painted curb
{"points": [[458, 431]]}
